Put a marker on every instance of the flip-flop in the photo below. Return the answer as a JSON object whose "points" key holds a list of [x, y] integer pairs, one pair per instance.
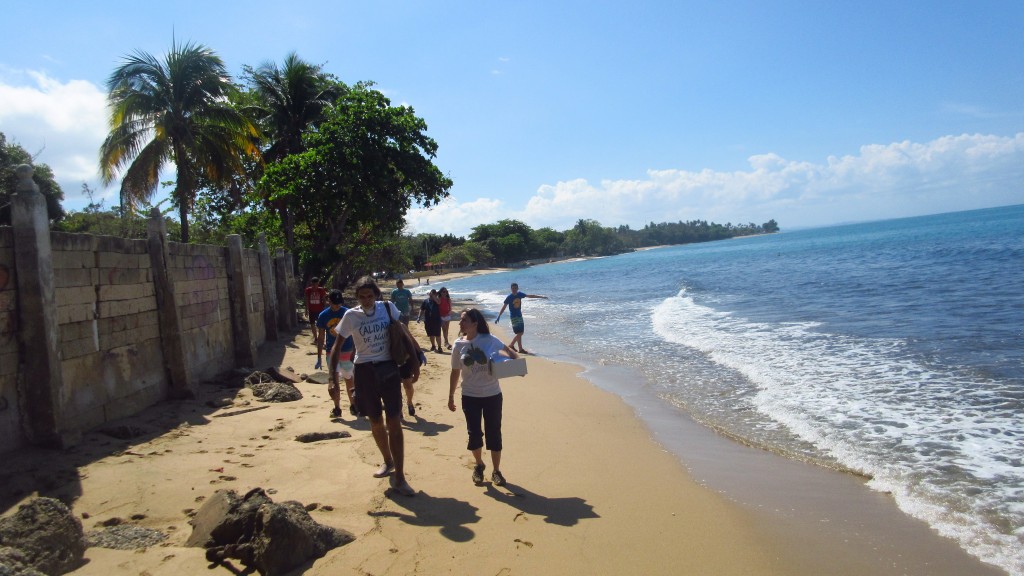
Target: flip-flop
{"points": [[385, 470]]}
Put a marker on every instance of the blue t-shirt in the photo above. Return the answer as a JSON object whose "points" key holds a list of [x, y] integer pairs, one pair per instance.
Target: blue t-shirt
{"points": [[514, 302], [327, 320]]}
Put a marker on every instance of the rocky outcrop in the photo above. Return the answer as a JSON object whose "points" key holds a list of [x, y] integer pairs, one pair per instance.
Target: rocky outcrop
{"points": [[270, 537], [41, 537], [267, 389]]}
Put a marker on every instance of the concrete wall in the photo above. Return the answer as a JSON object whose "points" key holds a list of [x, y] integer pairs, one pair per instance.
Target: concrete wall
{"points": [[200, 278], [137, 321], [10, 414], [109, 337]]}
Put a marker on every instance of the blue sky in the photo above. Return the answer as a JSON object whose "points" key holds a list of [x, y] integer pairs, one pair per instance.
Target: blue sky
{"points": [[811, 113]]}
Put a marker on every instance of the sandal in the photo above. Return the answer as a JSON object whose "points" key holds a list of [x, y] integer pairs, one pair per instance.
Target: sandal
{"points": [[497, 479], [478, 473]]}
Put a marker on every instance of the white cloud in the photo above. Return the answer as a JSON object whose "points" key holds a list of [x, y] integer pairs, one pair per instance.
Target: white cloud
{"points": [[947, 174], [454, 217], [63, 122]]}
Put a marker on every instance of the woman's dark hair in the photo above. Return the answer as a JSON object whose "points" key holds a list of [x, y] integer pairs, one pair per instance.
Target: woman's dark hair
{"points": [[477, 318], [368, 282], [445, 291]]}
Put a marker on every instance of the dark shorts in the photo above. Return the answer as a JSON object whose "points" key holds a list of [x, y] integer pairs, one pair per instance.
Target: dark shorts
{"points": [[517, 324], [488, 410], [378, 383], [432, 326]]}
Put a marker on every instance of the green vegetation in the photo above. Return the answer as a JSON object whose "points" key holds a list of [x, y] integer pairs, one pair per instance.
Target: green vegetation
{"points": [[11, 156], [326, 170], [176, 110], [508, 242]]}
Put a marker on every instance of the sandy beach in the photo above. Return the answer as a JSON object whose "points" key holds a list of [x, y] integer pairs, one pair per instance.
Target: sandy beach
{"points": [[590, 488]]}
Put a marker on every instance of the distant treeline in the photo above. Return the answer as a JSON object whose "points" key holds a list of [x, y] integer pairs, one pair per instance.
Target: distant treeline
{"points": [[510, 241]]}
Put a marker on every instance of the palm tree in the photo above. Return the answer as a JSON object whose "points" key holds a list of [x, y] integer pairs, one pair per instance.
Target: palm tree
{"points": [[290, 100], [173, 111]]}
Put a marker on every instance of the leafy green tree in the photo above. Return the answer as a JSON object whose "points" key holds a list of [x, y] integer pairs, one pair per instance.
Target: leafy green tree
{"points": [[547, 242], [175, 110], [589, 238], [112, 222], [362, 170], [465, 254], [11, 156], [508, 240]]}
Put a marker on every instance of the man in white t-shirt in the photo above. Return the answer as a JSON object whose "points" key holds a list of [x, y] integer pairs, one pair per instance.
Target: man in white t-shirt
{"points": [[377, 379]]}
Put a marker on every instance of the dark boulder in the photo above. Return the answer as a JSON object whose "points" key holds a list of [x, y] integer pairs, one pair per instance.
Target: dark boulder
{"points": [[269, 537], [45, 535]]}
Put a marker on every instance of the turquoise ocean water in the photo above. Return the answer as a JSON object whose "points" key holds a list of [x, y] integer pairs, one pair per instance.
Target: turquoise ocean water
{"points": [[891, 349]]}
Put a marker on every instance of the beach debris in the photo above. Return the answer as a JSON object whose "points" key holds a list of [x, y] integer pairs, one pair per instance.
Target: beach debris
{"points": [[44, 536], [125, 537], [267, 389], [270, 537], [318, 436], [237, 412]]}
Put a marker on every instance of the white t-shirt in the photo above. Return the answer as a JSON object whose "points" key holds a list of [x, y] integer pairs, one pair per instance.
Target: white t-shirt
{"points": [[476, 378], [369, 332]]}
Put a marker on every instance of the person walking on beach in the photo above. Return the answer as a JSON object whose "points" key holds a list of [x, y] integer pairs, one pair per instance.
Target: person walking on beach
{"points": [[316, 301], [444, 300], [326, 322], [377, 378], [402, 298], [514, 302], [430, 314], [481, 393]]}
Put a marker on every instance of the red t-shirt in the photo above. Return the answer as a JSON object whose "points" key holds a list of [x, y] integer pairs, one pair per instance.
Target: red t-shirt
{"points": [[316, 299]]}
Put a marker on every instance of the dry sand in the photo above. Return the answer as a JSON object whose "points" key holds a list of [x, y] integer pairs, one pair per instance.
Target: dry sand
{"points": [[588, 489]]}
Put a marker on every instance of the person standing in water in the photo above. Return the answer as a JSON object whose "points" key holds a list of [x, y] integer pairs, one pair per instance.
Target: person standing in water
{"points": [[514, 302]]}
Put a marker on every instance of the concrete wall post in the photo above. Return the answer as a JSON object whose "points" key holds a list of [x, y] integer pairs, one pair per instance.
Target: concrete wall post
{"points": [[285, 299], [270, 302], [41, 378], [179, 383], [245, 352]]}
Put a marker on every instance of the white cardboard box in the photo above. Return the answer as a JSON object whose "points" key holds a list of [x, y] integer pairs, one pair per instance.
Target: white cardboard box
{"points": [[508, 367]]}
